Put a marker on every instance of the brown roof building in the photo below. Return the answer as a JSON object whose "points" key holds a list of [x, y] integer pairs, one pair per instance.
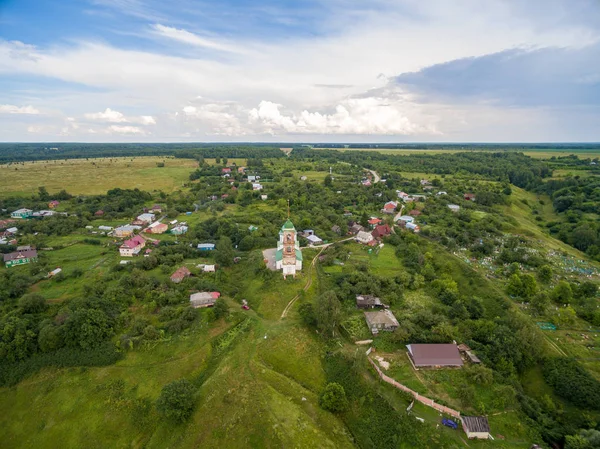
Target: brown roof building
{"points": [[434, 355], [381, 231], [180, 275]]}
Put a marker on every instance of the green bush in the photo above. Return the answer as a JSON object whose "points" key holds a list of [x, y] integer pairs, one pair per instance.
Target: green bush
{"points": [[572, 382], [333, 398], [177, 400]]}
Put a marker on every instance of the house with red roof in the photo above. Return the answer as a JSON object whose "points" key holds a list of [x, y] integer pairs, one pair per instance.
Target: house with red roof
{"points": [[226, 170], [132, 247], [381, 231], [469, 196], [374, 221], [415, 212], [389, 207], [52, 204], [180, 275]]}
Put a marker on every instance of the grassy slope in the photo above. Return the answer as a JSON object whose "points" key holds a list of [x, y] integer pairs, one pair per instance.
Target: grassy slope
{"points": [[80, 176]]}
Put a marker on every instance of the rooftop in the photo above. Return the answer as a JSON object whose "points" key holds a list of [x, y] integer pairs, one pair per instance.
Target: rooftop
{"points": [[445, 354], [476, 424]]}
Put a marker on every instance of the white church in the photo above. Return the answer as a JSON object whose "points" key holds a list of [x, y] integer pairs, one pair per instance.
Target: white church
{"points": [[288, 256]]}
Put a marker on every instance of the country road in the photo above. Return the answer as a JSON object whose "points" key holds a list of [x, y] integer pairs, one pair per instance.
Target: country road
{"points": [[375, 175], [309, 279]]}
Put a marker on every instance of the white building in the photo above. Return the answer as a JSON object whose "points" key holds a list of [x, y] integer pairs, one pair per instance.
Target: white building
{"points": [[364, 237], [454, 207], [146, 218], [314, 240], [288, 257]]}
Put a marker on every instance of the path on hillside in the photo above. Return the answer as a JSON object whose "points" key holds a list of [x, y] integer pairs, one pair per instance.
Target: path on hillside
{"points": [[309, 279], [375, 175]]}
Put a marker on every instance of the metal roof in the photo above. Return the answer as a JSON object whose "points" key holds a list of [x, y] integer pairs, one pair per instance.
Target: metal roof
{"points": [[435, 354]]}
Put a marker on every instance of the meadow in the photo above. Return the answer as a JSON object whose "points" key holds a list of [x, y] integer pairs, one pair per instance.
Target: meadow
{"points": [[95, 176]]}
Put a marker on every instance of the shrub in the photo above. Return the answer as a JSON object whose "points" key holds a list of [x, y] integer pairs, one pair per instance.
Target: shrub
{"points": [[572, 382], [176, 401], [333, 398]]}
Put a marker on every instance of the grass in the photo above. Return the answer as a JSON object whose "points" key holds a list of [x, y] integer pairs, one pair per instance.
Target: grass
{"points": [[95, 176]]}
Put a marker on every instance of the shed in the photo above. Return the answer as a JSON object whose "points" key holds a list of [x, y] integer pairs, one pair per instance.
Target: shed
{"points": [[476, 427], [454, 207], [314, 240], [434, 355], [180, 275], [206, 246], [208, 268], [369, 302]]}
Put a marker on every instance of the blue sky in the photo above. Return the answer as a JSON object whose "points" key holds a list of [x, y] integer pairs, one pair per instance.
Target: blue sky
{"points": [[319, 70]]}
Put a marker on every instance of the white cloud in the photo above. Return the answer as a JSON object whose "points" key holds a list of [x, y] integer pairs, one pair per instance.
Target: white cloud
{"points": [[112, 116], [371, 115], [117, 129], [12, 109], [190, 38]]}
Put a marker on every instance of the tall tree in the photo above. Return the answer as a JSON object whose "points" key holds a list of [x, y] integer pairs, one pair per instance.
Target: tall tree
{"points": [[327, 312], [224, 252]]}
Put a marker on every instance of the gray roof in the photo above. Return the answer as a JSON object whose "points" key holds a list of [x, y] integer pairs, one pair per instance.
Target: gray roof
{"points": [[385, 317], [369, 300], [476, 424], [28, 254]]}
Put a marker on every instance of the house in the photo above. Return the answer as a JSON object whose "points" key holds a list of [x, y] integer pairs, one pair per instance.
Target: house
{"points": [[256, 186], [406, 219], [157, 209], [125, 231], [241, 170], [414, 213], [381, 231], [476, 427], [226, 170], [208, 268], [425, 182], [146, 218], [147, 252], [180, 275], [99, 213], [382, 320], [366, 182], [156, 228], [105, 228], [441, 192], [20, 257], [413, 227], [6, 223], [308, 232], [10, 231], [389, 207], [264, 197], [132, 247], [179, 230], [206, 246], [355, 228], [43, 213], [369, 302], [454, 207], [314, 240], [52, 204], [253, 178], [469, 196], [22, 213], [374, 221], [364, 238], [204, 299], [404, 196], [434, 355]]}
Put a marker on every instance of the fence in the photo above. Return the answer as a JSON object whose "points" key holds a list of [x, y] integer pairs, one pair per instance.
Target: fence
{"points": [[422, 399]]}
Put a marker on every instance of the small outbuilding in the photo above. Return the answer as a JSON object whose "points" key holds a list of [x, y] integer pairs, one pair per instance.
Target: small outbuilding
{"points": [[206, 246], [369, 302], [314, 240], [476, 427], [180, 275]]}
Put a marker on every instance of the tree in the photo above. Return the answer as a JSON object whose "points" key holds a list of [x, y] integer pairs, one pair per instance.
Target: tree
{"points": [[562, 293], [545, 274], [529, 286], [577, 442], [539, 303], [87, 328], [33, 303], [221, 309], [327, 312], [224, 252], [364, 220], [43, 194], [177, 400], [307, 313], [50, 338], [515, 286], [328, 182], [333, 398]]}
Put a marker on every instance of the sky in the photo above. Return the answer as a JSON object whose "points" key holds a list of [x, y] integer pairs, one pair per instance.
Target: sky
{"points": [[300, 71]]}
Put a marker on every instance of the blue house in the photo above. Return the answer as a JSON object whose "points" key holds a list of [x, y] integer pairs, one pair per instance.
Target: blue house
{"points": [[206, 246]]}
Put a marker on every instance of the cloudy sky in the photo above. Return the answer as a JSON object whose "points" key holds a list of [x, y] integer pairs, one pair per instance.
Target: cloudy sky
{"points": [[300, 70]]}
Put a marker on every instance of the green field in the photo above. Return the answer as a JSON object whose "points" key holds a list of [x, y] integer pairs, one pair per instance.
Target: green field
{"points": [[95, 176]]}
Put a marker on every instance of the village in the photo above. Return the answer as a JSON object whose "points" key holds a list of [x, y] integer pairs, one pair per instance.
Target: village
{"points": [[379, 275]]}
